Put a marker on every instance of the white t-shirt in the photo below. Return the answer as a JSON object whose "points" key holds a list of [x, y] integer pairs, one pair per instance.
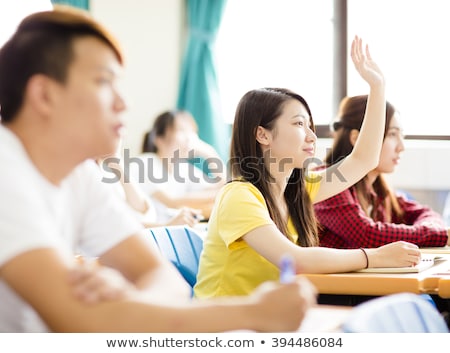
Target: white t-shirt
{"points": [[149, 216], [150, 173], [82, 215]]}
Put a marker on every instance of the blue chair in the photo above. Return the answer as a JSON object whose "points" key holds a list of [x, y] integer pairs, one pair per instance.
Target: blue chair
{"points": [[182, 246], [403, 312]]}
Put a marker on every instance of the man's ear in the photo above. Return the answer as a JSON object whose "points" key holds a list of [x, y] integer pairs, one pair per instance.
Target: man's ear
{"points": [[263, 136], [40, 92], [354, 136]]}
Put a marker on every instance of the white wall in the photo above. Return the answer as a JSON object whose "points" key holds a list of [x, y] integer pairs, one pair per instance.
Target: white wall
{"points": [[152, 35]]}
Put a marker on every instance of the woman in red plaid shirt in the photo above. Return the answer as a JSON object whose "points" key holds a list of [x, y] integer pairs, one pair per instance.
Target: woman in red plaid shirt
{"points": [[369, 214]]}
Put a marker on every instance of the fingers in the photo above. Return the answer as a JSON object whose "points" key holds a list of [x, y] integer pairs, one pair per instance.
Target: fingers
{"points": [[84, 284], [187, 216], [413, 254], [356, 50], [94, 283], [308, 291], [368, 52]]}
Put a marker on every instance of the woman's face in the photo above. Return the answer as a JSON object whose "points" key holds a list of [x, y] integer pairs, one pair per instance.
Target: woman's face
{"points": [[292, 140], [392, 147], [178, 140]]}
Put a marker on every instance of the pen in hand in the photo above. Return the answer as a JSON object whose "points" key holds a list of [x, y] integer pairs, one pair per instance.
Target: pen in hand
{"points": [[287, 269]]}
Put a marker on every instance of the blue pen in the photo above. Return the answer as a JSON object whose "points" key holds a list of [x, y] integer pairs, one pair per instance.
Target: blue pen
{"points": [[287, 269]]}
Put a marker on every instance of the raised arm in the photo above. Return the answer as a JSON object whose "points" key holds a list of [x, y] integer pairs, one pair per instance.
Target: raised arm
{"points": [[367, 149]]}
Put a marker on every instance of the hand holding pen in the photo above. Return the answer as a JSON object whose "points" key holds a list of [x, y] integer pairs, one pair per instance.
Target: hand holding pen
{"points": [[288, 274], [287, 269]]}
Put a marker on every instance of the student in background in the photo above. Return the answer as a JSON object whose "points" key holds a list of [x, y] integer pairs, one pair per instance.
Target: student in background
{"points": [[60, 109], [266, 212], [369, 213], [143, 205], [164, 171]]}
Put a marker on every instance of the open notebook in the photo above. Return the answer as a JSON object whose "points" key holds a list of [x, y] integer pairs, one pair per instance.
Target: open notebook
{"points": [[436, 250], [426, 262]]}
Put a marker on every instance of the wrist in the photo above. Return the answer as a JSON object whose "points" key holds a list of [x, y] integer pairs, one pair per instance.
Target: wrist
{"points": [[380, 84], [372, 257], [366, 258], [249, 313]]}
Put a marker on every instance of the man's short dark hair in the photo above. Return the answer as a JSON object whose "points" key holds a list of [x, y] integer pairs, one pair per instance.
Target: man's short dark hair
{"points": [[43, 44]]}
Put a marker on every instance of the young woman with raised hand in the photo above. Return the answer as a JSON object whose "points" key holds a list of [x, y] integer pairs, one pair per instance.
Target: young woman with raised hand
{"points": [[266, 212]]}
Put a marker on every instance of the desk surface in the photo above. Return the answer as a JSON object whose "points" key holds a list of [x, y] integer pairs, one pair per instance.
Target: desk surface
{"points": [[435, 280]]}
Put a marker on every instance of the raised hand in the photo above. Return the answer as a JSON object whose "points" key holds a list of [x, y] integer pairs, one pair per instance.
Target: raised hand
{"points": [[364, 64]]}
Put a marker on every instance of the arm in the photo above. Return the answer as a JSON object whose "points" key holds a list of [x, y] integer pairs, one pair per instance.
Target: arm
{"points": [[200, 200], [141, 264], [270, 243], [133, 195], [182, 216], [143, 205], [366, 151], [424, 217], [415, 213], [354, 229], [268, 309]]}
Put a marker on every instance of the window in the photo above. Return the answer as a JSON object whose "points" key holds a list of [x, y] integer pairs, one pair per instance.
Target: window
{"points": [[410, 42], [283, 43], [12, 12], [289, 43]]}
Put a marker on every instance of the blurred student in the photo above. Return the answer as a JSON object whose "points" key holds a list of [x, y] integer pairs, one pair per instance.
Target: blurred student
{"points": [[266, 212], [164, 171], [369, 213], [144, 207], [61, 109]]}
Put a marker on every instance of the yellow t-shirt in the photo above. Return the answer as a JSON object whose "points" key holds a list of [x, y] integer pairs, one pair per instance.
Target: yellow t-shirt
{"points": [[228, 266]]}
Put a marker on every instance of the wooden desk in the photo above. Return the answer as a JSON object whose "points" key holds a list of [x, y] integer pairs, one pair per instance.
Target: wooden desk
{"points": [[435, 280]]}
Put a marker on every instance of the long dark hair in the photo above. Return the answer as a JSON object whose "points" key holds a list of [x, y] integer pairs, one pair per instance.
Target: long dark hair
{"points": [[351, 116], [262, 107]]}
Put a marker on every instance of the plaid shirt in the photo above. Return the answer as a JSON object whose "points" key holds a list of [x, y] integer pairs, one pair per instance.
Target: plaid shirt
{"points": [[344, 224]]}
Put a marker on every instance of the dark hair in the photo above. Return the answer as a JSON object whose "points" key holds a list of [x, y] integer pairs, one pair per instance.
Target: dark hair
{"points": [[262, 107], [351, 116], [163, 122], [42, 44]]}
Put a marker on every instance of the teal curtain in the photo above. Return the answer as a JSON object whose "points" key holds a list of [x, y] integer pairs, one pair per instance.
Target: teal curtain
{"points": [[199, 93], [82, 4]]}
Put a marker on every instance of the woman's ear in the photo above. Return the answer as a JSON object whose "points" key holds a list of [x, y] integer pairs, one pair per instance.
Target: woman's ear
{"points": [[354, 136], [262, 136]]}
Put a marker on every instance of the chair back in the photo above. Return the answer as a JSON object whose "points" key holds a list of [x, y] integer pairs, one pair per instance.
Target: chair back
{"points": [[182, 246], [403, 312]]}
